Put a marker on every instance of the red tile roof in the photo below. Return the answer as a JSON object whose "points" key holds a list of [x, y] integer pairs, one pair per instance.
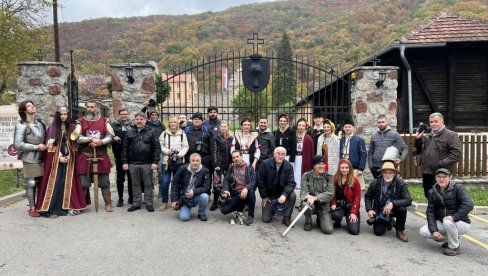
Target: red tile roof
{"points": [[448, 28]]}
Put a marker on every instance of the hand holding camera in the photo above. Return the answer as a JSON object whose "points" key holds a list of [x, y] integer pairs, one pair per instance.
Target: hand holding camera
{"points": [[420, 131]]}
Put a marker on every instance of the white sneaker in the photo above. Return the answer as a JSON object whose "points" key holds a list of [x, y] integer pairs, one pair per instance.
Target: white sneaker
{"points": [[233, 218]]}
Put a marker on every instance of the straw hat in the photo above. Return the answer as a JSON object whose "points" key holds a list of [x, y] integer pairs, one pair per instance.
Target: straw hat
{"points": [[388, 166]]}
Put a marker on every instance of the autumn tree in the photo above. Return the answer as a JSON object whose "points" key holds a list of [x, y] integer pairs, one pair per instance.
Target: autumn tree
{"points": [[284, 78], [20, 34], [162, 88], [92, 87]]}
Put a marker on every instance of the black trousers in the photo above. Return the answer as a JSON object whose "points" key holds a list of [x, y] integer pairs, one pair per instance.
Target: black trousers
{"points": [[400, 213], [268, 210], [428, 181], [121, 179], [235, 203], [375, 172], [338, 214]]}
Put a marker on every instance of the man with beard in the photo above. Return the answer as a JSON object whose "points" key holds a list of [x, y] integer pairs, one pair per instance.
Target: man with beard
{"points": [[266, 140], [212, 124], [380, 141], [94, 132], [29, 136], [198, 141], [353, 148], [388, 197], [140, 154], [120, 127]]}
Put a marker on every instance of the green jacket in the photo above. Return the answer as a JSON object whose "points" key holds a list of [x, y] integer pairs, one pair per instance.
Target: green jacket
{"points": [[322, 186]]}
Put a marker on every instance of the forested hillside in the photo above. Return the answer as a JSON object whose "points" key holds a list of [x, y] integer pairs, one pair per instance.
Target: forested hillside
{"points": [[337, 32]]}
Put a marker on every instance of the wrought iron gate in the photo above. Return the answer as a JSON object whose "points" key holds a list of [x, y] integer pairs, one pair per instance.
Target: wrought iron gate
{"points": [[217, 81]]}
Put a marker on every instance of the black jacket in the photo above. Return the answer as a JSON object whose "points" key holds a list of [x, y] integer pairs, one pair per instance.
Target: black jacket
{"points": [[220, 149], [195, 136], [267, 142], [229, 180], [157, 126], [454, 202], [140, 147], [119, 131], [181, 180], [315, 134], [400, 197], [272, 183], [288, 140]]}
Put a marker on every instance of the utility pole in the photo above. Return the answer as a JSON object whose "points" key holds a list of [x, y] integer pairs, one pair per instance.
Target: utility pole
{"points": [[56, 34]]}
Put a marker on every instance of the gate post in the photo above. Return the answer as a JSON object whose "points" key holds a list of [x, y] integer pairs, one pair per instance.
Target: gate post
{"points": [[131, 95], [374, 93], [45, 84]]}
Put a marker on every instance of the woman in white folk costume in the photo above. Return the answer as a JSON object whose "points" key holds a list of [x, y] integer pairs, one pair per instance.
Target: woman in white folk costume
{"points": [[304, 151], [247, 142], [328, 146]]}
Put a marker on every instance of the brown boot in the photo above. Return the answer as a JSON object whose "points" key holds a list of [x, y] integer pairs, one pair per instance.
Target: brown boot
{"points": [[401, 236], [108, 203]]}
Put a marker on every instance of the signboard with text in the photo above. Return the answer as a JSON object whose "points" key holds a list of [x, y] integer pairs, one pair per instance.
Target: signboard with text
{"points": [[9, 117]]}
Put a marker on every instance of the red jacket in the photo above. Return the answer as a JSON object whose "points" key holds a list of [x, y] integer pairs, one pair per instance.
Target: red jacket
{"points": [[307, 153], [352, 195]]}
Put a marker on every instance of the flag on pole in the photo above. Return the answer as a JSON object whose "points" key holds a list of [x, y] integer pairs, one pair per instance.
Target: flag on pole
{"points": [[224, 79]]}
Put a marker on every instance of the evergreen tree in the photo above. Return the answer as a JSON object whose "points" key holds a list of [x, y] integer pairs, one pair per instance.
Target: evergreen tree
{"points": [[284, 78]]}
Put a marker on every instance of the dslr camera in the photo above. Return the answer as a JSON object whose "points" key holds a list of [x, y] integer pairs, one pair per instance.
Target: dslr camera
{"points": [[174, 156], [378, 218], [199, 145], [422, 127]]}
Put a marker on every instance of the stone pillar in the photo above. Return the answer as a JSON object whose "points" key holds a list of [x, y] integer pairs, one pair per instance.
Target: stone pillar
{"points": [[43, 83], [132, 96], [368, 101]]}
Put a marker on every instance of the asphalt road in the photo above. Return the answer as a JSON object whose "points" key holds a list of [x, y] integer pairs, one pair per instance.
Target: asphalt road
{"points": [[158, 243]]}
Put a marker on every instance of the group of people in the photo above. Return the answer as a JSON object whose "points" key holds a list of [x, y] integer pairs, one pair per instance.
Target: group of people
{"points": [[199, 158]]}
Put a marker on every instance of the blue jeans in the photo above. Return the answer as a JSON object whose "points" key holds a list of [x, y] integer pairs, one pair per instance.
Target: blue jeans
{"points": [[201, 201], [164, 183]]}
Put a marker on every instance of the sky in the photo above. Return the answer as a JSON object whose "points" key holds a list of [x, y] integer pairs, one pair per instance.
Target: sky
{"points": [[78, 10]]}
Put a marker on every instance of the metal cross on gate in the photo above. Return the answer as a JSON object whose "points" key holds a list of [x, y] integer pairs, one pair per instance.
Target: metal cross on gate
{"points": [[39, 55], [255, 41], [375, 60]]}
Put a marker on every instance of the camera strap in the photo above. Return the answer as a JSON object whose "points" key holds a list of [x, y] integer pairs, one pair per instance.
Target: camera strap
{"points": [[385, 196], [169, 140]]}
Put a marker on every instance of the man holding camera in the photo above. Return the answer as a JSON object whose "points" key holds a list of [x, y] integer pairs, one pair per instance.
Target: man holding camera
{"points": [[276, 183], [317, 191], [380, 141], [239, 188], [440, 149], [388, 197], [140, 156], [198, 140], [190, 187], [447, 212]]}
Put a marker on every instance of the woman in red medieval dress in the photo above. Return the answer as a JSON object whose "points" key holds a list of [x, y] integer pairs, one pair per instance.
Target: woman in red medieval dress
{"points": [[60, 192]]}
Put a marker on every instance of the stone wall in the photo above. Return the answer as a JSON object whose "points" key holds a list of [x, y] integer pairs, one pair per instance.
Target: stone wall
{"points": [[44, 83], [368, 101], [131, 96]]}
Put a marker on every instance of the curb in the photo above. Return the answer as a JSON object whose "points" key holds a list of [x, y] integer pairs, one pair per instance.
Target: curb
{"points": [[421, 207], [9, 199]]}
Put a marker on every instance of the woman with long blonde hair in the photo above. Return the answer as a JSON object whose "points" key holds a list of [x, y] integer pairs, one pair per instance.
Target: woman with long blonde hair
{"points": [[347, 198]]}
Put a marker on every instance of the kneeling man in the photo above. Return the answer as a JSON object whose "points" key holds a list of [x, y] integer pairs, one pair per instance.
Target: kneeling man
{"points": [[318, 190], [239, 187], [276, 183], [388, 197], [189, 188], [447, 212]]}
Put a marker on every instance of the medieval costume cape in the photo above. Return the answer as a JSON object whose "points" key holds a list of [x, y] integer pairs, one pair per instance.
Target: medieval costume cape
{"points": [[60, 189]]}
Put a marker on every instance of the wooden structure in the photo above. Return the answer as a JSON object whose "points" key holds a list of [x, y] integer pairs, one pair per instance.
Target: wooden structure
{"points": [[473, 162]]}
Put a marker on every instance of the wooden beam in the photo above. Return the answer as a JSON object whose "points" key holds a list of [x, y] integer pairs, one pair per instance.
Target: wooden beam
{"points": [[451, 88], [423, 87]]}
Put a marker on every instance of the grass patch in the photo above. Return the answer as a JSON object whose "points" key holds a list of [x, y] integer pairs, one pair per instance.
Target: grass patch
{"points": [[479, 197], [8, 183]]}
